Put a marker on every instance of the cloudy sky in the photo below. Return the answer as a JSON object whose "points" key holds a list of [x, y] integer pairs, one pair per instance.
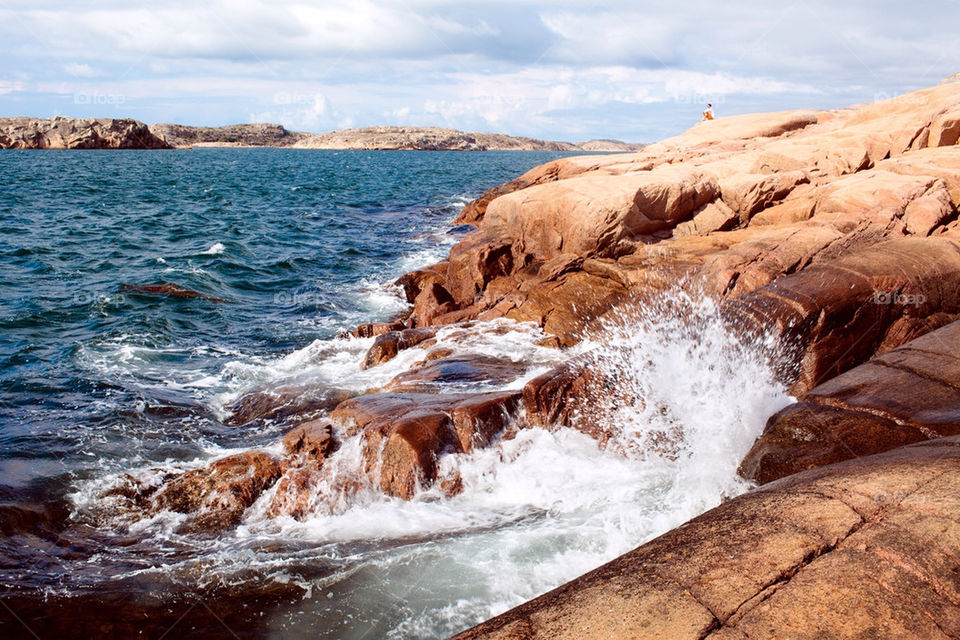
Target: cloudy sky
{"points": [[563, 69]]}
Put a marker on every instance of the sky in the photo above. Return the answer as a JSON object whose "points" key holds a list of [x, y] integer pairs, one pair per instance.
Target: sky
{"points": [[560, 69]]}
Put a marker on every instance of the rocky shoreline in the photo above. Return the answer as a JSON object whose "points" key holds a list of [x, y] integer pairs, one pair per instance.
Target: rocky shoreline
{"points": [[111, 133], [835, 231]]}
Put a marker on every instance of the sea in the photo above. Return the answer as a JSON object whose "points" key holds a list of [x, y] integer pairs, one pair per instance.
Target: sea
{"points": [[104, 377]]}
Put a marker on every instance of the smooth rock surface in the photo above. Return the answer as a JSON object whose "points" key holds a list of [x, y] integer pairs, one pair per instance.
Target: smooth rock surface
{"points": [[861, 549], [906, 395]]}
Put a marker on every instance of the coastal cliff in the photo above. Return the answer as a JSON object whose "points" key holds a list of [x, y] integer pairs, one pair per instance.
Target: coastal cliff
{"points": [[838, 232], [832, 234]]}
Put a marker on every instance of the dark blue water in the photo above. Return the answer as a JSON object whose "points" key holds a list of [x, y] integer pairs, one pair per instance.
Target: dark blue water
{"points": [[281, 247]]}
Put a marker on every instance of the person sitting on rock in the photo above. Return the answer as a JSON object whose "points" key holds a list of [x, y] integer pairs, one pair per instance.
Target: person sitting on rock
{"points": [[708, 112]]}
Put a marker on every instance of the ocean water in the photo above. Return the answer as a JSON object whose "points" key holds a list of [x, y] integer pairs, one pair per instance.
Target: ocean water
{"points": [[288, 248]]}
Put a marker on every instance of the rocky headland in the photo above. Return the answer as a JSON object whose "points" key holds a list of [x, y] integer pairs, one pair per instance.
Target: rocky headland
{"points": [[838, 231], [74, 133], [368, 138], [835, 231]]}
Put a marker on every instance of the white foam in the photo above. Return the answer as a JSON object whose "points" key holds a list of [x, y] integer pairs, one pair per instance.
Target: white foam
{"points": [[535, 510], [215, 249]]}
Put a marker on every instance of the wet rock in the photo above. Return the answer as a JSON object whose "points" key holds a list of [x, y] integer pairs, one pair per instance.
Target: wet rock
{"points": [[457, 371], [389, 344], [838, 314], [307, 447], [405, 433], [906, 395], [414, 282], [432, 301], [576, 394], [371, 330], [295, 492], [217, 495], [287, 399], [407, 450], [313, 440], [854, 550]]}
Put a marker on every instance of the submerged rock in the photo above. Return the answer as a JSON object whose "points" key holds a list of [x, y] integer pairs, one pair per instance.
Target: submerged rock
{"points": [[167, 289], [448, 371], [284, 400]]}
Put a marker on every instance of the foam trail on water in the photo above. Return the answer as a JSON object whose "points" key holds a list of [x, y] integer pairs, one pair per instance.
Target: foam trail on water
{"points": [[215, 249]]}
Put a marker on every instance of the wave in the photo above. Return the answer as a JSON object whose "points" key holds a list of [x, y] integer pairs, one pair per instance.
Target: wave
{"points": [[536, 509], [215, 249]]}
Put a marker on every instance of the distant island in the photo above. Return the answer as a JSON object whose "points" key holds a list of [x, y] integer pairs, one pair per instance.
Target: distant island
{"points": [[126, 133]]}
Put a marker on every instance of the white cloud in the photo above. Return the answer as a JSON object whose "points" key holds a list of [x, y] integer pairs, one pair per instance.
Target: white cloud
{"points": [[78, 70], [10, 87]]}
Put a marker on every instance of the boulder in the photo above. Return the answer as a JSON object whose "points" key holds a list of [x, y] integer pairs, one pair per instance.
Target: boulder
{"points": [[389, 344], [405, 433], [906, 395], [216, 496], [861, 549]]}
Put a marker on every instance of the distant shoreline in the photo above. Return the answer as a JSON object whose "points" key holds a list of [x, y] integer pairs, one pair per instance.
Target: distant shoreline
{"points": [[125, 133]]}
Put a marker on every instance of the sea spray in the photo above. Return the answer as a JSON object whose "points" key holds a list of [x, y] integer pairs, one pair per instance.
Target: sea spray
{"points": [[537, 508], [544, 505]]}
